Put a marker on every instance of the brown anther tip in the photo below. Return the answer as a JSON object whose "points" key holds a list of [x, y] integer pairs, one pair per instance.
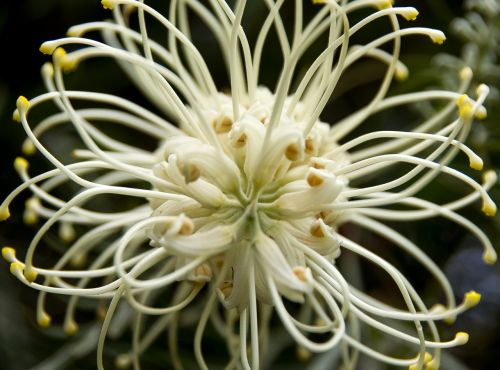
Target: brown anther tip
{"points": [[316, 229], [226, 288], [240, 143], [309, 146], [187, 227], [223, 124], [300, 273]]}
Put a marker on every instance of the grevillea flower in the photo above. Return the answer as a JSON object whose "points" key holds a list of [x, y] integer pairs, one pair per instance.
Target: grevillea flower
{"points": [[235, 214]]}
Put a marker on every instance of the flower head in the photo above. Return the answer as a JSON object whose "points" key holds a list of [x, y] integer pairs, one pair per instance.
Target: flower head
{"points": [[242, 199]]}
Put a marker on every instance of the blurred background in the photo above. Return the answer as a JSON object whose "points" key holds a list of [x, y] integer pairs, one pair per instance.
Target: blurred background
{"points": [[473, 35]]}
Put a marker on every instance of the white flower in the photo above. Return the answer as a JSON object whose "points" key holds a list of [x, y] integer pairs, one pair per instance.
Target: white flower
{"points": [[242, 199]]}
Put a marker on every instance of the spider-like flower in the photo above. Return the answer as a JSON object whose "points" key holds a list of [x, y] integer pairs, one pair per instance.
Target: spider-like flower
{"points": [[236, 212]]}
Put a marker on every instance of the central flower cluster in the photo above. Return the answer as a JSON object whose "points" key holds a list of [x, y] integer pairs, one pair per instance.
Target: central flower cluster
{"points": [[248, 192]]}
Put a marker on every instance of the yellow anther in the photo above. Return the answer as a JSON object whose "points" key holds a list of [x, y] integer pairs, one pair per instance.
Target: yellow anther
{"points": [[489, 207], [79, 260], [481, 113], [410, 14], [401, 73], [70, 327], [489, 257], [482, 89], [67, 232], [384, 4], [48, 69], [437, 37], [21, 164], [465, 111], [9, 254], [427, 357], [123, 361], [293, 152], [108, 4], [22, 104], [75, 31], [450, 320], [47, 48], [30, 274], [462, 337], [472, 298], [62, 59], [28, 148], [16, 269], [16, 117], [490, 176], [4, 213], [315, 2], [465, 73], [476, 163], [30, 217], [303, 354], [432, 365], [462, 100], [43, 319]]}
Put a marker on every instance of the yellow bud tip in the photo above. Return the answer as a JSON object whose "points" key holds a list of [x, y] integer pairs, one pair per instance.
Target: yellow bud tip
{"points": [[9, 254], [482, 89], [489, 207], [384, 4], [303, 354], [70, 327], [465, 111], [472, 298], [43, 319], [21, 164], [490, 257], [74, 31], [410, 14], [401, 73], [28, 148], [4, 213], [476, 163], [30, 274], [62, 59], [123, 361], [108, 4], [437, 37], [462, 337], [432, 365], [462, 100], [22, 104], [16, 117], [427, 358], [16, 269], [47, 48], [465, 73], [48, 69], [481, 113], [490, 177], [450, 320]]}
